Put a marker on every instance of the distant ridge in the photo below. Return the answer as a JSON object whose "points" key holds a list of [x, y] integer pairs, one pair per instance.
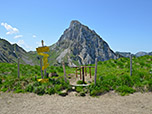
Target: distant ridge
{"points": [[138, 54], [10, 52]]}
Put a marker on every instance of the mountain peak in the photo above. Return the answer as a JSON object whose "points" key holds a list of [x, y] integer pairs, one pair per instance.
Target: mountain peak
{"points": [[75, 23], [81, 45]]}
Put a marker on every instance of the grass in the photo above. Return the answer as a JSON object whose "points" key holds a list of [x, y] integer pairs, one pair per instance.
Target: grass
{"points": [[111, 75]]}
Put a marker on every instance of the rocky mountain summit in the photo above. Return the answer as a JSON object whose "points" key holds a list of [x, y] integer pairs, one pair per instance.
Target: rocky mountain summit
{"points": [[80, 45]]}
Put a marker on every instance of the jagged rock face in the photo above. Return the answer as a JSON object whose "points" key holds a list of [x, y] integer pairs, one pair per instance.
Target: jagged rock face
{"points": [[82, 45]]}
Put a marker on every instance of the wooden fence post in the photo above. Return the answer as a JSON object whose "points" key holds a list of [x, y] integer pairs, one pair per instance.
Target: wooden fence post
{"points": [[80, 73], [90, 71], [64, 72], [130, 65], [76, 73], [83, 80], [95, 76], [85, 71], [18, 67]]}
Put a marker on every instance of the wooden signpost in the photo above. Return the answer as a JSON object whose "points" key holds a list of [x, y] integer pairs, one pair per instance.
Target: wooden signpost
{"points": [[41, 51]]}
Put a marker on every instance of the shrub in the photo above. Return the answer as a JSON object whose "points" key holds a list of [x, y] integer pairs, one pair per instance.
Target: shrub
{"points": [[4, 89], [82, 93], [29, 88], [40, 90], [57, 87], [126, 80], [109, 82], [150, 85], [81, 82], [19, 91], [79, 89], [36, 83], [124, 90], [96, 92], [51, 90]]}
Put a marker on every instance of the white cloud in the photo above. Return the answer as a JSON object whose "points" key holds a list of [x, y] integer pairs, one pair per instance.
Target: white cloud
{"points": [[10, 29], [18, 36], [34, 36]]}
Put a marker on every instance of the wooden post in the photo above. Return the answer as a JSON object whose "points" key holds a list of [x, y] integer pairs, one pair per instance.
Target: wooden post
{"points": [[76, 73], [64, 72], [85, 71], [130, 65], [42, 43], [80, 73], [83, 77], [44, 69], [95, 76], [41, 67], [18, 67], [90, 71]]}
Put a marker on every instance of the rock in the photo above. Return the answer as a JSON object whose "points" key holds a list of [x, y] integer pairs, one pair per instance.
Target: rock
{"points": [[63, 93], [80, 45]]}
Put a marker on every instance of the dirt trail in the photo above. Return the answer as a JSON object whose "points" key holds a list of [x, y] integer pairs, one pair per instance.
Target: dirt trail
{"points": [[110, 103]]}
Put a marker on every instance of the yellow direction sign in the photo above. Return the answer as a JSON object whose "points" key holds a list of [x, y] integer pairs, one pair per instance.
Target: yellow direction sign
{"points": [[42, 49]]}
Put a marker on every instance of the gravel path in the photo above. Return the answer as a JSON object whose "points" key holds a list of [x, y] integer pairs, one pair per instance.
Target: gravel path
{"points": [[109, 103]]}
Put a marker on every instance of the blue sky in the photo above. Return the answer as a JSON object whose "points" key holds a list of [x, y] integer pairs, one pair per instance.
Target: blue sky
{"points": [[126, 25]]}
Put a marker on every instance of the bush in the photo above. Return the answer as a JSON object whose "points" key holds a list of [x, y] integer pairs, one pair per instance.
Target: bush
{"points": [[79, 89], [96, 92], [58, 87], [109, 82], [82, 93], [4, 89], [19, 91], [126, 80], [150, 85], [81, 82], [40, 90], [29, 88], [51, 90], [124, 90]]}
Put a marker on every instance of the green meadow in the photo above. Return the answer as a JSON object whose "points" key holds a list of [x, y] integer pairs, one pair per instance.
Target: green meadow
{"points": [[112, 75]]}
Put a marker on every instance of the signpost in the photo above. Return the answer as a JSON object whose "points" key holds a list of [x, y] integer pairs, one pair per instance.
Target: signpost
{"points": [[41, 51]]}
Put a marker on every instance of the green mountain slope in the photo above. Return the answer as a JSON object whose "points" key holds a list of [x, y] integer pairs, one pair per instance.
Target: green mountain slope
{"points": [[10, 52]]}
